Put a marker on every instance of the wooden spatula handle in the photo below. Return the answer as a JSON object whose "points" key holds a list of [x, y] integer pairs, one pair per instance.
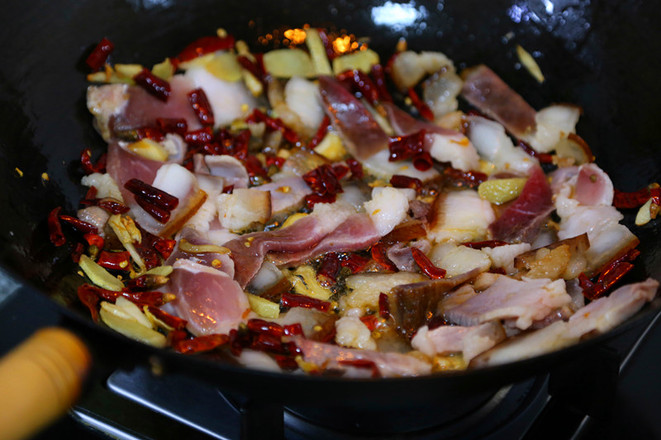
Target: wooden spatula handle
{"points": [[39, 380]]}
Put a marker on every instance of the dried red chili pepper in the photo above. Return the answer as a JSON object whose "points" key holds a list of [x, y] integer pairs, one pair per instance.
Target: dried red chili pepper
{"points": [[355, 262], [94, 240], [399, 181], [254, 167], [358, 81], [201, 136], [322, 181], [201, 106], [320, 134], [422, 108], [153, 133], [328, 269], [406, 147], [384, 306], [115, 260], [229, 189], [362, 363], [287, 363], [293, 329], [113, 206], [265, 327], [340, 171], [164, 246], [426, 266], [268, 343], [148, 298], [200, 343], [463, 179], [292, 300], [530, 151], [370, 321], [100, 54], [79, 225], [613, 272], [636, 199], [172, 125], [379, 77], [173, 321], [483, 244], [90, 299], [356, 169], [437, 321], [55, 233], [379, 254], [155, 86], [272, 160], [255, 68], [205, 45], [77, 252], [88, 166], [151, 194]]}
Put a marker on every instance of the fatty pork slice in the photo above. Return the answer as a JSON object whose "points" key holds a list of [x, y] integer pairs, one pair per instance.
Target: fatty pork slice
{"points": [[209, 299], [142, 109], [599, 316], [180, 183], [287, 193], [523, 219], [522, 301], [469, 341], [229, 168], [229, 100], [460, 216], [123, 165], [493, 145], [327, 357], [360, 132]]}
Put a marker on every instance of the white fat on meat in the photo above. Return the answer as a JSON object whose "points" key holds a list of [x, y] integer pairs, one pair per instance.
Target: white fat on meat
{"points": [[553, 124], [599, 316], [455, 149], [228, 100], [105, 185], [229, 168], [389, 364], [503, 256], [493, 145], [104, 102], [524, 301], [379, 166], [212, 185], [389, 207], [287, 193], [209, 299], [303, 98], [243, 208], [95, 216], [460, 216], [583, 203], [469, 341], [352, 332], [258, 360], [457, 260], [175, 146]]}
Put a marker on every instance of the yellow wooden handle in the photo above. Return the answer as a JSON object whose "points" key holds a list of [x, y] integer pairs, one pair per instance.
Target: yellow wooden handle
{"points": [[39, 380]]}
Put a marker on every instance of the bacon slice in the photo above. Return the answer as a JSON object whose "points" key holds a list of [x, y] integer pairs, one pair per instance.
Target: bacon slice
{"points": [[469, 341], [521, 220], [487, 92], [209, 299], [327, 356], [527, 301], [123, 165], [362, 135]]}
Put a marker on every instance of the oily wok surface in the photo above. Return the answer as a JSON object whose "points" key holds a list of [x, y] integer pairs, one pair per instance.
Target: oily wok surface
{"points": [[602, 57]]}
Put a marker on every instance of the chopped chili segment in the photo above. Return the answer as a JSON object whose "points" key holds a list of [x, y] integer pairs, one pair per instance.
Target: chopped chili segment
{"points": [[292, 300], [151, 194], [94, 240], [426, 266], [613, 272], [154, 85], [384, 305], [89, 297], [636, 199], [541, 157], [172, 125], [422, 108], [100, 54], [200, 343], [359, 82], [115, 260], [173, 321], [379, 254], [379, 77], [79, 225], [323, 182], [55, 233], [354, 262], [461, 179], [484, 244], [201, 106], [88, 166], [266, 327], [410, 147], [274, 124], [399, 181], [328, 269], [320, 134]]}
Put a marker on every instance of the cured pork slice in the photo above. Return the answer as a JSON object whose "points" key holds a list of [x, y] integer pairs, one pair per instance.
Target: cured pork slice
{"points": [[209, 299], [525, 301], [327, 356], [469, 341], [597, 317], [361, 133]]}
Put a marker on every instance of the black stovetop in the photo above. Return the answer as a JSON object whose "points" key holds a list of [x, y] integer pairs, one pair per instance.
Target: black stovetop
{"points": [[124, 404]]}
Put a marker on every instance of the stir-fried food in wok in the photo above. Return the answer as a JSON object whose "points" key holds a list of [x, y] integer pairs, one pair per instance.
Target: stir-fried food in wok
{"points": [[317, 208]]}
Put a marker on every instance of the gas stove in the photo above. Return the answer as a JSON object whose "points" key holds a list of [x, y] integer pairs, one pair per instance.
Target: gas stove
{"points": [[613, 393]]}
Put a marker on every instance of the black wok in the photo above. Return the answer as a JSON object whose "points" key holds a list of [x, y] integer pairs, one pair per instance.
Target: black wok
{"points": [[604, 57]]}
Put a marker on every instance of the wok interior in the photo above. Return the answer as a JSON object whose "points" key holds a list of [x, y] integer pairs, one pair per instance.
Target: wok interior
{"points": [[591, 55]]}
